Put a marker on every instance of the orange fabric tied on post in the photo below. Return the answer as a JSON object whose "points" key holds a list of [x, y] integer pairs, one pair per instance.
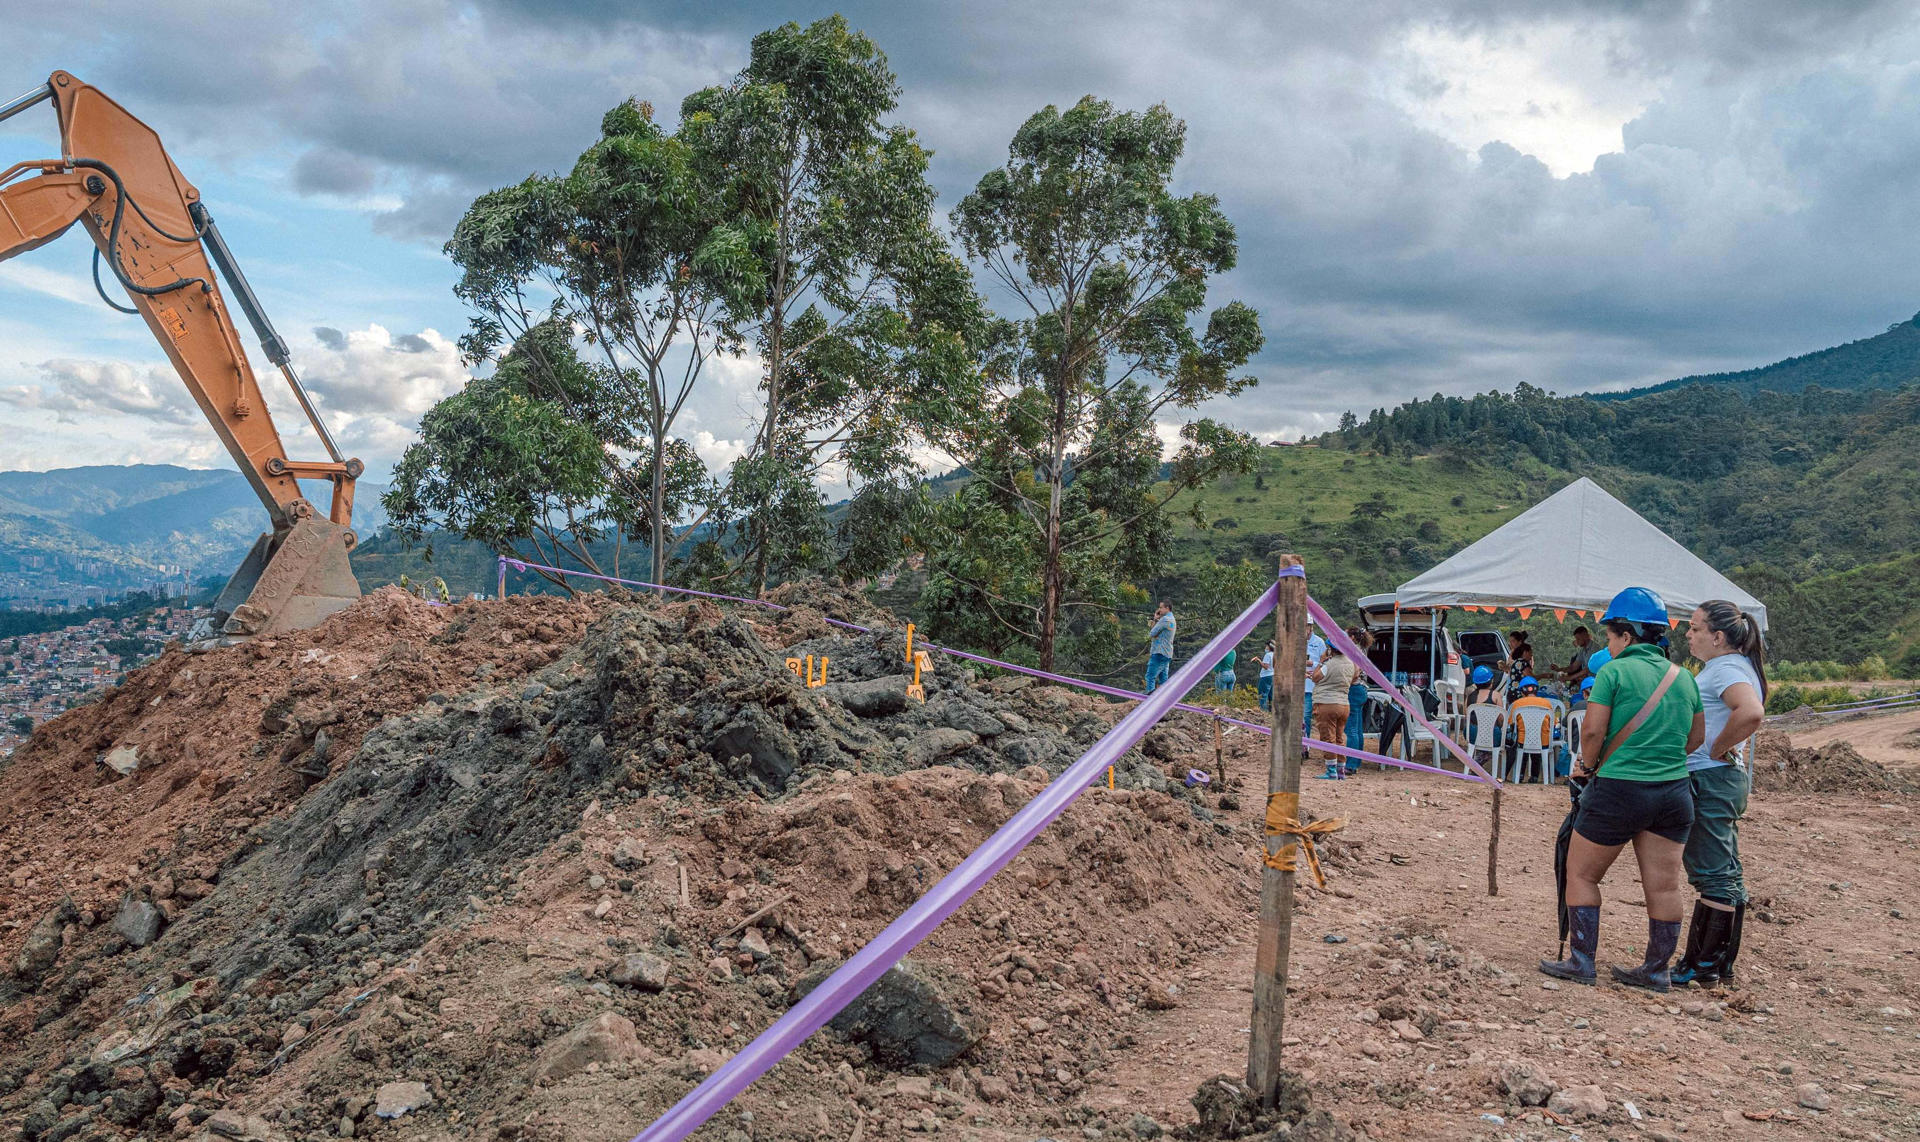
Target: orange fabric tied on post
{"points": [[1283, 820]]}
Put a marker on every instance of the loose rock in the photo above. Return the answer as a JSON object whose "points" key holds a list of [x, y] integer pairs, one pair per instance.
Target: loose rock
{"points": [[1579, 1103], [393, 1100]]}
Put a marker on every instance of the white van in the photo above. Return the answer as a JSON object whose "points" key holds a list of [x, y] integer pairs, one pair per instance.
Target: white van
{"points": [[1442, 662]]}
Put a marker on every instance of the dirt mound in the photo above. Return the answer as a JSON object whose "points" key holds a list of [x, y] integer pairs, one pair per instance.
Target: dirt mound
{"points": [[1835, 767], [530, 764], [213, 744]]}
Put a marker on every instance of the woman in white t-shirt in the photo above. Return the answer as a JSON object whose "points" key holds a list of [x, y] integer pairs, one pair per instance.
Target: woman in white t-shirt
{"points": [[1733, 694]]}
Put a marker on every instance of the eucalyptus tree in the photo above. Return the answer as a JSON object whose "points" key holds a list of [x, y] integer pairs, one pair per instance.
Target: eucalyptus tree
{"points": [[631, 249], [1108, 269], [515, 458], [861, 315]]}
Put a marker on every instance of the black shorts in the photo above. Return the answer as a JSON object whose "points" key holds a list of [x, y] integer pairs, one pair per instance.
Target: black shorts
{"points": [[1613, 812]]}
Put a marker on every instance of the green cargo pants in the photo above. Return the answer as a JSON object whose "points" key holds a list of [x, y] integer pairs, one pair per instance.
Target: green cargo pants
{"points": [[1713, 847]]}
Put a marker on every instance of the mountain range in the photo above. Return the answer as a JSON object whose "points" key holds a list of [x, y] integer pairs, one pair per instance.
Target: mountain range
{"points": [[72, 534], [1797, 479]]}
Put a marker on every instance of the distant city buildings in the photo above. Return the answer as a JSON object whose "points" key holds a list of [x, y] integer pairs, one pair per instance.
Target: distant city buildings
{"points": [[44, 674]]}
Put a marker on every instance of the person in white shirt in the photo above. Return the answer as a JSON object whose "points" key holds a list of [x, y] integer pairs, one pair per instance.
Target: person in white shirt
{"points": [[1316, 650], [1733, 695], [1266, 677]]}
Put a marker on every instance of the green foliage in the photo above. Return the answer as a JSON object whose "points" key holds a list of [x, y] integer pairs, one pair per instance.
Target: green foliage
{"points": [[21, 723], [635, 246], [500, 463], [130, 647], [862, 318], [1870, 669], [14, 623], [1112, 269]]}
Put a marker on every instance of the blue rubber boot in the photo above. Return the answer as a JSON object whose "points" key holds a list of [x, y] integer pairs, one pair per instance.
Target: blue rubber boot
{"points": [[1652, 975], [1583, 923]]}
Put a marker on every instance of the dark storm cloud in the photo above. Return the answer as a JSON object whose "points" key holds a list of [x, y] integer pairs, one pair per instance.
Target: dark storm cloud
{"points": [[1760, 205], [330, 338], [328, 170]]}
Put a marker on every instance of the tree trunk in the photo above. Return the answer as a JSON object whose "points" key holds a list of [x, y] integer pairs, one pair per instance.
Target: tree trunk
{"points": [[776, 358], [1054, 575], [658, 497]]}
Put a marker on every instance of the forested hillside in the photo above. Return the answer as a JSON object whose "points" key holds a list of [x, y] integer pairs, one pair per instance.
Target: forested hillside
{"points": [[1884, 361], [1809, 500]]}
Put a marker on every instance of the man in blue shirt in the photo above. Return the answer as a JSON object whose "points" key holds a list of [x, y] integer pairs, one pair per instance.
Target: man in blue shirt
{"points": [[1316, 650], [1160, 645]]}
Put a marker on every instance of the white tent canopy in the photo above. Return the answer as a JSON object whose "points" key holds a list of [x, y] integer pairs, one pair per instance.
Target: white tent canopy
{"points": [[1574, 550]]}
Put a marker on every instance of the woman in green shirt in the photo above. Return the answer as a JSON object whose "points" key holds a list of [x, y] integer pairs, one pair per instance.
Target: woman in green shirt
{"points": [[1643, 718]]}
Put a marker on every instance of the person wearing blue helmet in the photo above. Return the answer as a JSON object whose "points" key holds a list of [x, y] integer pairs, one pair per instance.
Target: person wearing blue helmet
{"points": [[1483, 691], [1643, 717]]}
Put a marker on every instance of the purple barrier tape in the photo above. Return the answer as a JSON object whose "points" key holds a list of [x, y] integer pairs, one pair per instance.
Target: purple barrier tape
{"points": [[1363, 755], [944, 898], [1065, 680], [1338, 637]]}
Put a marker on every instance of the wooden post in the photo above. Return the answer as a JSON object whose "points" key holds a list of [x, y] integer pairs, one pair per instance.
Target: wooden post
{"points": [[1283, 794], [1219, 756], [1493, 848]]}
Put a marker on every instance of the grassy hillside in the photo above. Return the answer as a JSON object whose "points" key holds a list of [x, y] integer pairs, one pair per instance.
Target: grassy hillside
{"points": [[1363, 522]]}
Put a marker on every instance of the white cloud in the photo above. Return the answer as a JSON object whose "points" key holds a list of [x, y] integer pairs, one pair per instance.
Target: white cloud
{"points": [[1548, 90], [52, 283], [71, 388], [717, 454]]}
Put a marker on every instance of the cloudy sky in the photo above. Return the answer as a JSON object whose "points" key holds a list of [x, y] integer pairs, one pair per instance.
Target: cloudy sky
{"points": [[1433, 197]]}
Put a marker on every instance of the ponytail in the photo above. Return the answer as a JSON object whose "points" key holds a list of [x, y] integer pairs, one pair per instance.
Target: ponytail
{"points": [[1742, 634]]}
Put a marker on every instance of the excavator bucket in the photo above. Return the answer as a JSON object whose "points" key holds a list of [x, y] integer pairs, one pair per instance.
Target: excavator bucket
{"points": [[288, 583]]}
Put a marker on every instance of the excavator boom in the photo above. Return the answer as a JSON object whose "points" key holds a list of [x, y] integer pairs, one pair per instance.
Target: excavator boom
{"points": [[161, 245]]}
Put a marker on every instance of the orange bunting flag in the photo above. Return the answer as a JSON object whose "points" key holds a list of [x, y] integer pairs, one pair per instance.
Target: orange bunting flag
{"points": [[1526, 613], [1560, 613]]}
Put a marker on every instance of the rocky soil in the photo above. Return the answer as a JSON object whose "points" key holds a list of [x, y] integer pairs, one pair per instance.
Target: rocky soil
{"points": [[529, 869]]}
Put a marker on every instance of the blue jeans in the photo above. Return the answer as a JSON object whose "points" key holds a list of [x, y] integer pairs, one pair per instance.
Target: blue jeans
{"points": [[1306, 722], [1266, 691], [1357, 720], [1223, 682], [1157, 667]]}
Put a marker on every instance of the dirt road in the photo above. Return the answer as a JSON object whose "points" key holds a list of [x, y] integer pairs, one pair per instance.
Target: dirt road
{"points": [[1891, 739], [1828, 985]]}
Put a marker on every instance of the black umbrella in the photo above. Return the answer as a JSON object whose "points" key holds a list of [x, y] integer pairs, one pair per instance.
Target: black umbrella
{"points": [[1561, 843]]}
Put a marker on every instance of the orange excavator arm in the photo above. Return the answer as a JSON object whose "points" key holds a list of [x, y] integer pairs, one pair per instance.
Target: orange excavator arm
{"points": [[153, 233]]}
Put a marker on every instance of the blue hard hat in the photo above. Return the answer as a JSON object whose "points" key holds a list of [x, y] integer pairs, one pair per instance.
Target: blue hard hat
{"points": [[1529, 680], [1586, 684], [1482, 675], [1637, 605]]}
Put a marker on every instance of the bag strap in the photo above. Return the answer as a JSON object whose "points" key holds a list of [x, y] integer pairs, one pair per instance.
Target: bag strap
{"points": [[1639, 719]]}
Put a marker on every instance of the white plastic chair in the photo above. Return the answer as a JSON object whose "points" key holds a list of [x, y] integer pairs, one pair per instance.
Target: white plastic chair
{"points": [[1533, 739], [1575, 722], [1415, 732], [1484, 722]]}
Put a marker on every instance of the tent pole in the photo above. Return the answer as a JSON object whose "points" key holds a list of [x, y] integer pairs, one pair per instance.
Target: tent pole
{"points": [[1395, 668]]}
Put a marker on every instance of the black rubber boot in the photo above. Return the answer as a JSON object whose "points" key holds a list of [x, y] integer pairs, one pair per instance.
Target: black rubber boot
{"points": [[1652, 975], [1733, 941], [1583, 924], [1709, 941]]}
